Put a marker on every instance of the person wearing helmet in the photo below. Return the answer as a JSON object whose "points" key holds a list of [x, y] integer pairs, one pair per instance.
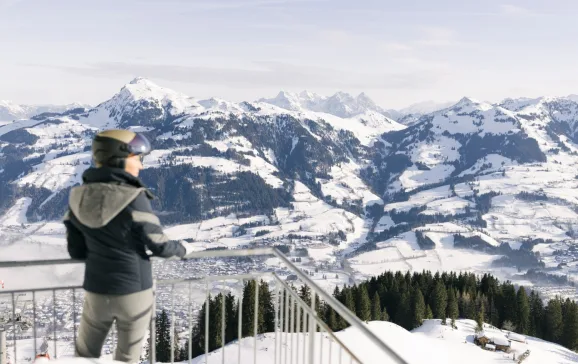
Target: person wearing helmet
{"points": [[110, 225]]}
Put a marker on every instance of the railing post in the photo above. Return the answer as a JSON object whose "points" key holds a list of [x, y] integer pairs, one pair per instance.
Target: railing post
{"points": [[3, 346], [312, 327], [152, 334], [34, 321], [14, 329], [172, 333]]}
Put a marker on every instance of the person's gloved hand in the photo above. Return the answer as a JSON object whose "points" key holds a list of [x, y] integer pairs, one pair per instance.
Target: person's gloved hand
{"points": [[189, 248]]}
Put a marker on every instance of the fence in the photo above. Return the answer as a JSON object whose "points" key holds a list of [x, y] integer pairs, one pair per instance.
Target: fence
{"points": [[299, 334]]}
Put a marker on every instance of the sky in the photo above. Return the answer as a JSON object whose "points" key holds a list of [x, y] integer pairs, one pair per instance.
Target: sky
{"points": [[397, 52]]}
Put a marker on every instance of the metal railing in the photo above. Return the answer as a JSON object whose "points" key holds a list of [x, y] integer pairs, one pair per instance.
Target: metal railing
{"points": [[299, 334]]}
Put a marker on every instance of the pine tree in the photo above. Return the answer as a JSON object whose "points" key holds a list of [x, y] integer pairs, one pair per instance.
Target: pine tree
{"points": [[417, 308], [536, 315], [428, 313], [452, 308], [198, 332], [384, 315], [331, 319], [523, 314], [508, 326], [363, 305], [232, 325], [320, 309], [215, 316], [438, 301], [376, 307], [163, 337], [508, 303], [179, 352], [266, 309], [346, 299], [570, 331], [494, 314], [554, 323], [466, 306], [403, 314], [305, 294], [248, 326], [349, 301], [480, 318]]}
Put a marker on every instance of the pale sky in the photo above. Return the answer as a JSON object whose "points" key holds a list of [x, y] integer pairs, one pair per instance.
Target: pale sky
{"points": [[397, 52]]}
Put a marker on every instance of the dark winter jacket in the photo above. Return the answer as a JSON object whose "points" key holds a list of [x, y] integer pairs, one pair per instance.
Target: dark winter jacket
{"points": [[111, 226]]}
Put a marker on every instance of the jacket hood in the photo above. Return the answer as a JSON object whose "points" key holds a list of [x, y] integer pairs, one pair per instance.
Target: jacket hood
{"points": [[105, 193]]}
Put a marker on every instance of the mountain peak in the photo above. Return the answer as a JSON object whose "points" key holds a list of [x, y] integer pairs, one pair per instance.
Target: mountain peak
{"points": [[468, 101], [365, 101], [340, 104], [139, 80]]}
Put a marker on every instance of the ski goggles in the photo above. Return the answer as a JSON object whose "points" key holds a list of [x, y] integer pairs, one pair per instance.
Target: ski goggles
{"points": [[139, 145]]}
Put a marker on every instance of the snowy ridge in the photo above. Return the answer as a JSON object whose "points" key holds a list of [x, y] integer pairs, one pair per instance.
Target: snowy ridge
{"points": [[341, 104]]}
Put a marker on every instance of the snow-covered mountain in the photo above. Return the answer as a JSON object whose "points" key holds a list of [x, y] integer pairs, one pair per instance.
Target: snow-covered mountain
{"points": [[11, 111], [341, 104], [472, 186], [425, 107]]}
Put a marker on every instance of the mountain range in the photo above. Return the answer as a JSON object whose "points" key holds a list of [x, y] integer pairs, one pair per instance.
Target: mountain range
{"points": [[463, 186]]}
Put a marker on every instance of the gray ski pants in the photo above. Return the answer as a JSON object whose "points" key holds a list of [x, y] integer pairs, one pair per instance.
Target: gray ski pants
{"points": [[132, 313]]}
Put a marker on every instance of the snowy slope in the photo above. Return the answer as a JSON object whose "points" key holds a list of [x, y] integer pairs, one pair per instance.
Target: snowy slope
{"points": [[436, 343]]}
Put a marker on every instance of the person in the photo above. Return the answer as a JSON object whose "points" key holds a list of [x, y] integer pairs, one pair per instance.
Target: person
{"points": [[110, 225]]}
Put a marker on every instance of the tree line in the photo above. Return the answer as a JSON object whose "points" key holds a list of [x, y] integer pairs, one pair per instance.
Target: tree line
{"points": [[404, 299]]}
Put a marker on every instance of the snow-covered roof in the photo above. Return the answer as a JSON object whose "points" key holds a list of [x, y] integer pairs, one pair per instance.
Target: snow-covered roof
{"points": [[516, 337], [490, 346], [481, 334], [501, 340]]}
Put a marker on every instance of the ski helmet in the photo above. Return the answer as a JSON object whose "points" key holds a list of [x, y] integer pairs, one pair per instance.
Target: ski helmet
{"points": [[112, 147]]}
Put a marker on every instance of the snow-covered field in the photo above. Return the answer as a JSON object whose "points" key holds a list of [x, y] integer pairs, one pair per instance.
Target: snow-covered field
{"points": [[430, 343], [402, 253]]}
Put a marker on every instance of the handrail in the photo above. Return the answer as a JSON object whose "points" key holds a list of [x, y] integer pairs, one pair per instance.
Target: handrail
{"points": [[194, 255], [342, 310], [312, 313]]}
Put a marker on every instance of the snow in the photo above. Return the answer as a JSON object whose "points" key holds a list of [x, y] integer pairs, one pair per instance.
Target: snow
{"points": [[412, 177], [342, 111], [448, 206], [12, 111], [516, 337], [458, 119], [404, 254], [258, 165], [431, 154], [384, 223], [17, 124], [16, 215], [431, 342], [513, 219], [420, 199], [238, 143], [58, 173], [496, 162], [345, 184]]}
